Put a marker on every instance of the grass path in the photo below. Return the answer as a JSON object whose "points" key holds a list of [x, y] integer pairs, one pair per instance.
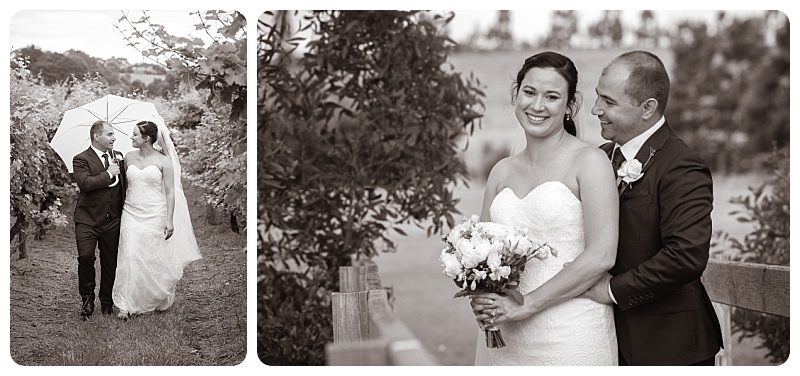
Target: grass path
{"points": [[205, 326]]}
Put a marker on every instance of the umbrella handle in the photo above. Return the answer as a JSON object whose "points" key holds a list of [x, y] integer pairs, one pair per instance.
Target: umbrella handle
{"points": [[116, 178]]}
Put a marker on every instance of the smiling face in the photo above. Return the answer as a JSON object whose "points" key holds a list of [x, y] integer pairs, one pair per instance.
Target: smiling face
{"points": [[541, 102], [137, 140], [621, 119]]}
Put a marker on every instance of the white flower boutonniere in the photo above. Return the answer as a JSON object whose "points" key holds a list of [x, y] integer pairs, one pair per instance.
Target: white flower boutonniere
{"points": [[633, 171]]}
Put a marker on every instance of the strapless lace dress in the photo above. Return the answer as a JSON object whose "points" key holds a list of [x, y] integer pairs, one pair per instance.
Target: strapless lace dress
{"points": [[576, 332], [147, 268]]}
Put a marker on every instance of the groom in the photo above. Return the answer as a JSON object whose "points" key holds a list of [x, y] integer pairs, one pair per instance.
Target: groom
{"points": [[662, 312], [97, 214]]}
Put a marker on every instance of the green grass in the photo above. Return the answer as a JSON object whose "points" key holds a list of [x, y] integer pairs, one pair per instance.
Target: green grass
{"points": [[205, 326]]}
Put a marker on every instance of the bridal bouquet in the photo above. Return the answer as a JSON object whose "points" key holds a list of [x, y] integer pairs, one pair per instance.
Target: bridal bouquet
{"points": [[489, 257]]}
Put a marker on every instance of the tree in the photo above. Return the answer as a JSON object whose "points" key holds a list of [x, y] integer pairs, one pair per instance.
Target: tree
{"points": [[218, 68], [648, 34], [356, 137], [41, 188], [564, 26], [500, 32], [730, 91], [607, 31]]}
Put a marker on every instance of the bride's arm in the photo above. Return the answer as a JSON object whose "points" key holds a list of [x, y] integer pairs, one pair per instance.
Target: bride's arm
{"points": [[491, 189], [168, 179], [600, 202]]}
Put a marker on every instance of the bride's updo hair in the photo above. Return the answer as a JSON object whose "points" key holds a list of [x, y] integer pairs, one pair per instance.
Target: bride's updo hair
{"points": [[566, 68], [149, 129]]}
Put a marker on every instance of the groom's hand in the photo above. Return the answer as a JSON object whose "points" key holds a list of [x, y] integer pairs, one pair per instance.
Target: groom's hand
{"points": [[599, 291], [113, 169]]}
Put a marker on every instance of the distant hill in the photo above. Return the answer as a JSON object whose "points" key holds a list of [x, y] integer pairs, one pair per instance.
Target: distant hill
{"points": [[145, 78]]}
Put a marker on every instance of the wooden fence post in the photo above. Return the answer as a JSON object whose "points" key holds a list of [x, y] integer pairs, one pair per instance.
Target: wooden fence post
{"points": [[350, 316]]}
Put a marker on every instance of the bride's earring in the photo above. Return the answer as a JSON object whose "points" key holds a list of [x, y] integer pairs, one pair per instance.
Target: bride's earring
{"points": [[568, 119]]}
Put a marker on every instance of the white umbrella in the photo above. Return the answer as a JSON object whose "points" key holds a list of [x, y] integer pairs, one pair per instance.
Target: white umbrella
{"points": [[72, 135]]}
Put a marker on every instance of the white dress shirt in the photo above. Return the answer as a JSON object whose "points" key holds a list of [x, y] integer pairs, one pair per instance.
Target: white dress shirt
{"points": [[100, 155]]}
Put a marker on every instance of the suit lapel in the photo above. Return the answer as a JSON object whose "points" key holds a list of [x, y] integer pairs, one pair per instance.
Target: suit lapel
{"points": [[653, 145], [92, 157]]}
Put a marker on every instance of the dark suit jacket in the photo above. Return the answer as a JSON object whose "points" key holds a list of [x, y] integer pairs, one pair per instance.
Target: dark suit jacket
{"points": [[663, 314], [96, 198]]}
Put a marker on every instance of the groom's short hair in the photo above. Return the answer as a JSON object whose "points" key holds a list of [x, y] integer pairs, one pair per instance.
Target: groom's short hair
{"points": [[97, 127], [647, 77]]}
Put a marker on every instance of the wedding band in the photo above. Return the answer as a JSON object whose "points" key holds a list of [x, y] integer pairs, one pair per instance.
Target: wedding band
{"points": [[491, 321]]}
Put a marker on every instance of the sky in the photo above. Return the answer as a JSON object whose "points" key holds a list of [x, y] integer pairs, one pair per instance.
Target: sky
{"points": [[93, 32]]}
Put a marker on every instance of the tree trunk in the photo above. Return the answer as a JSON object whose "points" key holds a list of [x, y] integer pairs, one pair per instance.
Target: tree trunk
{"points": [[211, 215], [22, 244]]}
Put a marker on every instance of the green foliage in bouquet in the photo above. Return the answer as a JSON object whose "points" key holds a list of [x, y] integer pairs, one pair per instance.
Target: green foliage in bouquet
{"points": [[357, 135], [767, 207]]}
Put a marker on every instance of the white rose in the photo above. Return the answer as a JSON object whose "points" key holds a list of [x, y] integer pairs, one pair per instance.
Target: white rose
{"points": [[470, 255], [482, 249], [463, 246], [455, 233], [631, 172], [452, 267]]}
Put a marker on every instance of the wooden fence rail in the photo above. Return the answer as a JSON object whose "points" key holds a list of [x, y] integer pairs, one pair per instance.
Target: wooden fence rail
{"points": [[757, 287], [366, 331]]}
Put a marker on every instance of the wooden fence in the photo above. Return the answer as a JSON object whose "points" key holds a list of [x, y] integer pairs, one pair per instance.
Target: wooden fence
{"points": [[366, 331], [757, 287]]}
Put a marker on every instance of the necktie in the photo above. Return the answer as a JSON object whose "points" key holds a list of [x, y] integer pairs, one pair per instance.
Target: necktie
{"points": [[105, 159], [617, 160]]}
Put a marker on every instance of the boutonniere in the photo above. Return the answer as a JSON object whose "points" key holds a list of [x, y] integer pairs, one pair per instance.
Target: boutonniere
{"points": [[633, 171]]}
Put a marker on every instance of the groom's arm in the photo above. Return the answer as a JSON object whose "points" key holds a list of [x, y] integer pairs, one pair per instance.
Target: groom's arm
{"points": [[84, 178], [685, 200]]}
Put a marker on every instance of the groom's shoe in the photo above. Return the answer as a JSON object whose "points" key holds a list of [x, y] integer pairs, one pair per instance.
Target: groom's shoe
{"points": [[107, 310], [87, 309]]}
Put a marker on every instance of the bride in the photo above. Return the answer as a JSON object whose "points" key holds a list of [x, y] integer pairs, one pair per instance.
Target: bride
{"points": [[156, 238], [563, 190]]}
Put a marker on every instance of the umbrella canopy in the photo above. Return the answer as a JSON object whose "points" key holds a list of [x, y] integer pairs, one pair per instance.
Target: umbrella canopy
{"points": [[72, 135]]}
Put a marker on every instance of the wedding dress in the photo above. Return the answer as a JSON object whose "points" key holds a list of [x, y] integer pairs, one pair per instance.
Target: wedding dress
{"points": [[149, 266], [576, 332]]}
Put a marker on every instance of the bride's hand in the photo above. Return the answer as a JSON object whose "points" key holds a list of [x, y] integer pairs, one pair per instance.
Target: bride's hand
{"points": [[492, 309], [168, 230]]}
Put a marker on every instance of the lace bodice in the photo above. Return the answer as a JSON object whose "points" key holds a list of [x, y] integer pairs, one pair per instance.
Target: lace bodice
{"points": [[553, 215], [144, 185]]}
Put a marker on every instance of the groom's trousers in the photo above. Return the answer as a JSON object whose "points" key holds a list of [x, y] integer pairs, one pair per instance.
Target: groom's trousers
{"points": [[105, 237]]}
